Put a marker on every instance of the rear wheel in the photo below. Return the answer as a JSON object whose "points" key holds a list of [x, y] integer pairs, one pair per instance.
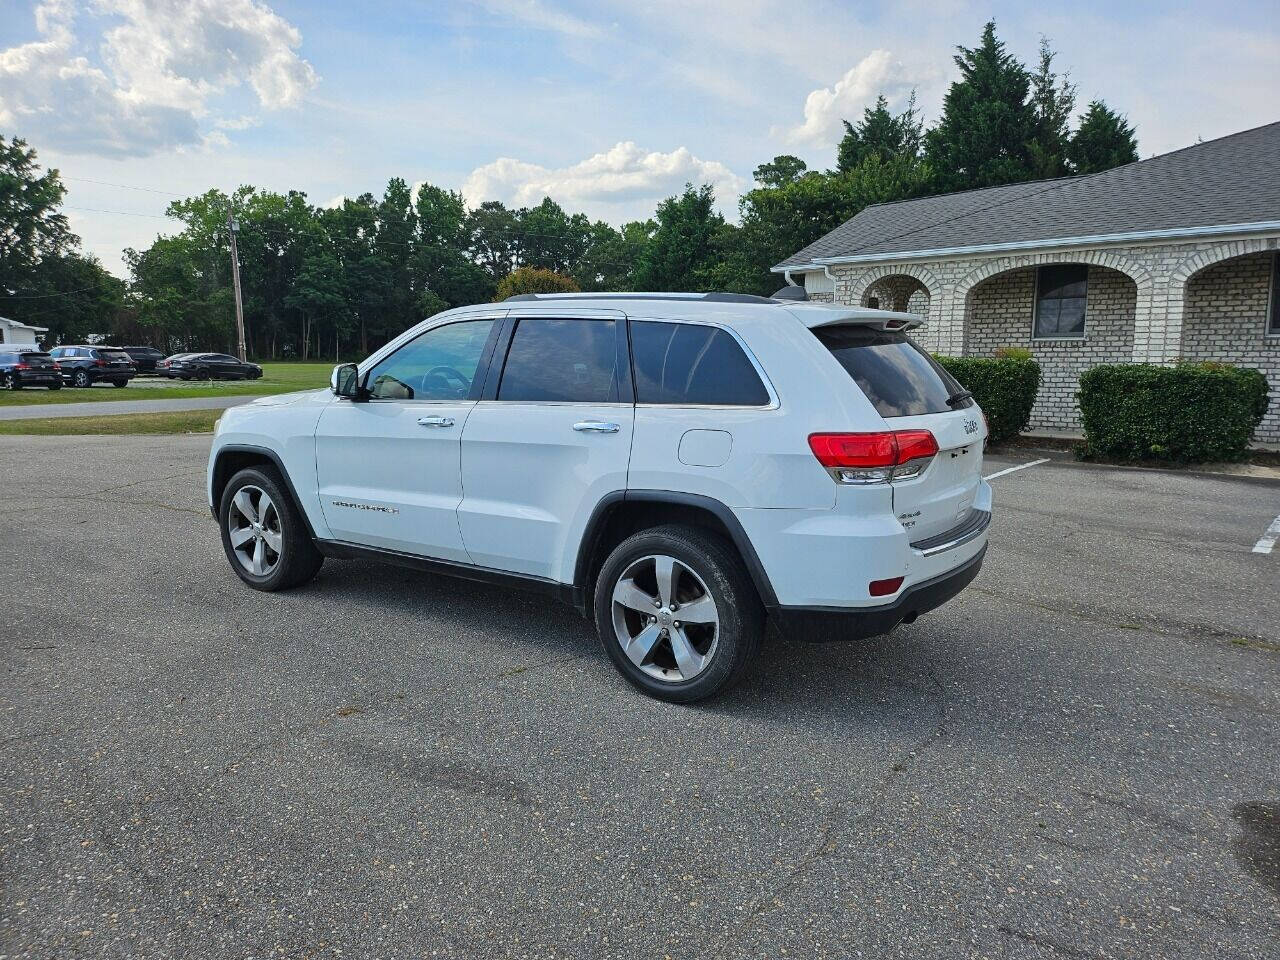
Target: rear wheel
{"points": [[263, 534], [202, 374], [119, 383], [10, 382], [677, 613], [55, 386]]}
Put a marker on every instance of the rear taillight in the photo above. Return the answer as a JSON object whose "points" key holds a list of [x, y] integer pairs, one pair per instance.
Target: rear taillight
{"points": [[99, 363], [21, 366], [57, 366], [860, 458]]}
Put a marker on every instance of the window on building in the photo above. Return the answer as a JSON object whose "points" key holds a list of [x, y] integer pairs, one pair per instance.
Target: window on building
{"points": [[1273, 317], [1061, 291], [693, 364], [561, 361]]}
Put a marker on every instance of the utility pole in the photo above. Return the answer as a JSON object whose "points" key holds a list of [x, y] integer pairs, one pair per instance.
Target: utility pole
{"points": [[233, 227]]}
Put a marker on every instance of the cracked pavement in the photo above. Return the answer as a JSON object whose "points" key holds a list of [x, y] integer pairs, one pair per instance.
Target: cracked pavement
{"points": [[1078, 757]]}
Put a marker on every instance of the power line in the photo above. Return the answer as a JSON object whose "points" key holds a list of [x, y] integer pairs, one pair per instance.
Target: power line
{"points": [[123, 186]]}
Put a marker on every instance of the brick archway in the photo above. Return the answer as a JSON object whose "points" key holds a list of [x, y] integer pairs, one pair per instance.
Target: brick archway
{"points": [[858, 288], [1100, 258]]}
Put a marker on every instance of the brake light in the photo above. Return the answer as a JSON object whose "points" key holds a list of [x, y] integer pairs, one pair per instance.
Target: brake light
{"points": [[21, 366], [99, 362], [860, 458], [57, 366]]}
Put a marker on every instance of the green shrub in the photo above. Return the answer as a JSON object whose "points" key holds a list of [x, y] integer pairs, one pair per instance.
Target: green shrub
{"points": [[1005, 387], [534, 280], [1188, 413]]}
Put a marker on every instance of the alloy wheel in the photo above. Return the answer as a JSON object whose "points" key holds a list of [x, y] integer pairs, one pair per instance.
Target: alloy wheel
{"points": [[665, 618], [253, 524]]}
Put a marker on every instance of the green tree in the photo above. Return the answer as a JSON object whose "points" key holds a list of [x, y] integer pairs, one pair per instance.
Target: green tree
{"points": [[31, 225], [988, 123], [683, 248], [534, 280], [444, 275], [1054, 101], [780, 171], [491, 238], [1102, 141], [881, 134], [549, 238]]}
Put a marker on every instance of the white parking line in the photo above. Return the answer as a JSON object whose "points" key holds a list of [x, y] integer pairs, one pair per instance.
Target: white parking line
{"points": [[1021, 466], [1268, 540]]}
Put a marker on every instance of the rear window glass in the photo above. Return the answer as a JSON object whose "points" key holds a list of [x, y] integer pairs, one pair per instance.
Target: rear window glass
{"points": [[693, 364], [899, 378], [114, 355]]}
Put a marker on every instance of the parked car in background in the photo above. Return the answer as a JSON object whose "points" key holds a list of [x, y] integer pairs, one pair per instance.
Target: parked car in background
{"points": [[83, 365], [146, 359], [207, 366], [28, 368]]}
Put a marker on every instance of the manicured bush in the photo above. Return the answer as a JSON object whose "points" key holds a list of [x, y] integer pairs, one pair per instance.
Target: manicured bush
{"points": [[1005, 387], [534, 280], [1188, 413]]}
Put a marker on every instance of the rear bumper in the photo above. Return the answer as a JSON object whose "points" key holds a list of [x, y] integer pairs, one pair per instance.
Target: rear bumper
{"points": [[29, 378], [826, 624]]}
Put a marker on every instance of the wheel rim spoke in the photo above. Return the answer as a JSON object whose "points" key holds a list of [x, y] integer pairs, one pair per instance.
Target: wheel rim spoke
{"points": [[665, 572], [240, 536], [632, 597], [640, 646], [244, 503], [702, 610], [259, 560], [688, 659], [272, 539]]}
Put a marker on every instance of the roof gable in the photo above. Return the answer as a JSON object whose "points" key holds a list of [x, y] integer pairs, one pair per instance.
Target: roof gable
{"points": [[1228, 181]]}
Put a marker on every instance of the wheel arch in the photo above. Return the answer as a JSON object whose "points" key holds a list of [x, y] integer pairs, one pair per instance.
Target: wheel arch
{"points": [[233, 458], [622, 513]]}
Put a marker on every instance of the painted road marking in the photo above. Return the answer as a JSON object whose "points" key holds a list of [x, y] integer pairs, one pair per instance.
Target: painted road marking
{"points": [[1021, 466], [1268, 540]]}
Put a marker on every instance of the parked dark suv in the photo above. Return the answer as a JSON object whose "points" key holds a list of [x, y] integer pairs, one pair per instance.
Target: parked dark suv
{"points": [[146, 359], [208, 366], [28, 368], [83, 366]]}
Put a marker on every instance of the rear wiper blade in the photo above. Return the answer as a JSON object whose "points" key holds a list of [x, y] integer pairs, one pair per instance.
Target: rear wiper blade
{"points": [[959, 397]]}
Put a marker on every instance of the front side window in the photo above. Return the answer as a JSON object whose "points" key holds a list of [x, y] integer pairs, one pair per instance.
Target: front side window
{"points": [[561, 361], [439, 364], [692, 364], [1061, 291]]}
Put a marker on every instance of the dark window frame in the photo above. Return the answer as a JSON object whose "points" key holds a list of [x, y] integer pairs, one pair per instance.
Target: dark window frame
{"points": [[771, 397], [482, 365], [1036, 300]]}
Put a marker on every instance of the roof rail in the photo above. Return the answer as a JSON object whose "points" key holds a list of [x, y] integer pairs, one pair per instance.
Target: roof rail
{"points": [[705, 297]]}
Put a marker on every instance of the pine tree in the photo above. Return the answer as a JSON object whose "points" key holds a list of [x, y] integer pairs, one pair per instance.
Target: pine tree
{"points": [[1103, 140], [1053, 102], [882, 134], [987, 121]]}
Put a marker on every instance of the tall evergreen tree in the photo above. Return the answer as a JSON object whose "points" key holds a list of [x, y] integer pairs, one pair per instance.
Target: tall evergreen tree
{"points": [[684, 245], [1102, 141], [987, 121], [881, 134], [780, 171], [1054, 101]]}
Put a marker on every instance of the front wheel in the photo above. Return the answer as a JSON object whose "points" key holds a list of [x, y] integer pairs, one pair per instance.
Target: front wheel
{"points": [[677, 613], [263, 534], [81, 378], [10, 382]]}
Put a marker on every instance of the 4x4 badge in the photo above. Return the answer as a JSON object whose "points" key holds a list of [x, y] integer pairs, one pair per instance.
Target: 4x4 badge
{"points": [[971, 426]]}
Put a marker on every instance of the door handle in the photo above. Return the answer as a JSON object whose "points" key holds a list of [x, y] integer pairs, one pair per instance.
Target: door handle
{"points": [[435, 421], [596, 426]]}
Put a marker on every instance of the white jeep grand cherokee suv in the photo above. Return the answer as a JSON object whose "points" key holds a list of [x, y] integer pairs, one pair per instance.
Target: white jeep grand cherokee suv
{"points": [[679, 467]]}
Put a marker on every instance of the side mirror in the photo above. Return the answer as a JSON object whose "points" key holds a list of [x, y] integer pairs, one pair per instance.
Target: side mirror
{"points": [[345, 381]]}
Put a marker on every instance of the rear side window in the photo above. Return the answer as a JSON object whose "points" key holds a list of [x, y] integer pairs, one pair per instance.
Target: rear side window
{"points": [[899, 378], [692, 364], [564, 361]]}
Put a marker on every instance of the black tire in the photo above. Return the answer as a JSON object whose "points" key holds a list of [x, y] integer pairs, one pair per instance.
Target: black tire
{"points": [[299, 560], [119, 383], [55, 386], [717, 564], [81, 379], [10, 382], [202, 374]]}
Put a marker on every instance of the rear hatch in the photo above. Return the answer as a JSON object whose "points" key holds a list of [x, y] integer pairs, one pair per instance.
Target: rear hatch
{"points": [[911, 391], [116, 359], [38, 361]]}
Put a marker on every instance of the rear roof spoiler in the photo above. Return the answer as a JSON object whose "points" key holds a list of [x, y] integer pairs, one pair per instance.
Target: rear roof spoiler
{"points": [[827, 315]]}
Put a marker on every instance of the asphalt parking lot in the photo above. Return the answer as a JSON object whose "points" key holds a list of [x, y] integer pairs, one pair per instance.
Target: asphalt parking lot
{"points": [[1078, 757]]}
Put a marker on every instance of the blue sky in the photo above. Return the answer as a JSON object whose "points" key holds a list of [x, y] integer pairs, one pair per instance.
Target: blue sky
{"points": [[606, 106]]}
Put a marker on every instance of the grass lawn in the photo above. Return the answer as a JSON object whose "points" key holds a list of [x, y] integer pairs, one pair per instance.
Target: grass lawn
{"points": [[276, 378], [183, 421]]}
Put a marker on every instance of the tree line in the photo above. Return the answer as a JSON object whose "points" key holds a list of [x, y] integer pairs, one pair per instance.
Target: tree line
{"points": [[339, 281]]}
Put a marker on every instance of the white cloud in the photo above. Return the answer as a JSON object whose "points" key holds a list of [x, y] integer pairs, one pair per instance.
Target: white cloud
{"points": [[156, 71], [824, 109], [620, 177], [538, 15]]}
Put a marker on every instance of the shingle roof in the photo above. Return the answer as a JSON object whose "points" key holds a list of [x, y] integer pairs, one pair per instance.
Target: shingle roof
{"points": [[1234, 179]]}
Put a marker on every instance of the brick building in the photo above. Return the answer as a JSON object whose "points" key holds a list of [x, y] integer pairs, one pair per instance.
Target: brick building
{"points": [[1168, 258]]}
